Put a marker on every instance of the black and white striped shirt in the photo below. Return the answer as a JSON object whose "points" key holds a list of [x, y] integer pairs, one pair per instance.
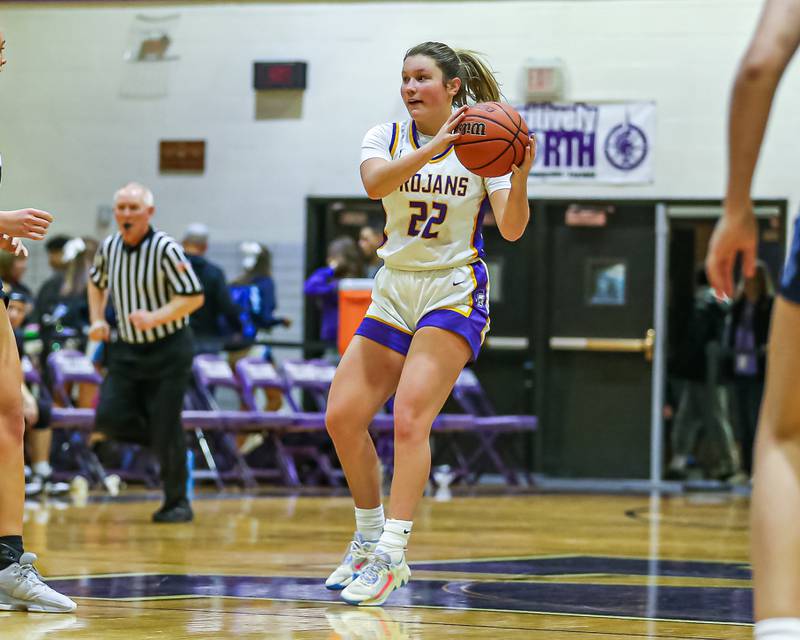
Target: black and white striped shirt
{"points": [[144, 277]]}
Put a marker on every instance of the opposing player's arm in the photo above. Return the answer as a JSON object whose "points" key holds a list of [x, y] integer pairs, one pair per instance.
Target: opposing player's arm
{"points": [[381, 176], [25, 223], [774, 43], [510, 206]]}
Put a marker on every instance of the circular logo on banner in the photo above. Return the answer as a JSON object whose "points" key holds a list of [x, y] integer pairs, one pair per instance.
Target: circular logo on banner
{"points": [[626, 146]]}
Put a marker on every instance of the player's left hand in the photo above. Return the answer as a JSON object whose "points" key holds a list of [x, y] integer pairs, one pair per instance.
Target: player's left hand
{"points": [[735, 232], [520, 172], [13, 245], [142, 319]]}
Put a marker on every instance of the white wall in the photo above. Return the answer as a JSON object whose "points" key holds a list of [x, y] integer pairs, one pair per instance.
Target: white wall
{"points": [[69, 140]]}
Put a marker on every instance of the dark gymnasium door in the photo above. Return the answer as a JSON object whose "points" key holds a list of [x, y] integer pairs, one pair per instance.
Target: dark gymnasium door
{"points": [[598, 345]]}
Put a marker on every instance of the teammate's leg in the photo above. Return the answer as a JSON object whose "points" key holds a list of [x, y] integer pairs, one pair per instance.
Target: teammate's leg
{"points": [[434, 361], [776, 494], [365, 379]]}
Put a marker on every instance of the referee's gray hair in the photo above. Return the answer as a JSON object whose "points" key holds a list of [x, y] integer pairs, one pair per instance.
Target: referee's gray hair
{"points": [[147, 195]]}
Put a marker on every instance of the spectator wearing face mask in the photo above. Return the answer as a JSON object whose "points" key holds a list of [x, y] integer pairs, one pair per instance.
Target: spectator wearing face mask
{"points": [[254, 292]]}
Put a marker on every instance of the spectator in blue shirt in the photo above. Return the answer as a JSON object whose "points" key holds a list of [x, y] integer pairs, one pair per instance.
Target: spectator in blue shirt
{"points": [[254, 292]]}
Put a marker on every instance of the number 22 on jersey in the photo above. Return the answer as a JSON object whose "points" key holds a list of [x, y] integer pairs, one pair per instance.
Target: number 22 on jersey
{"points": [[439, 212]]}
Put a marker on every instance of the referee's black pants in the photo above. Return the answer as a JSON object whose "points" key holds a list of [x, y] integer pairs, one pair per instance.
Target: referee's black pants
{"points": [[141, 400]]}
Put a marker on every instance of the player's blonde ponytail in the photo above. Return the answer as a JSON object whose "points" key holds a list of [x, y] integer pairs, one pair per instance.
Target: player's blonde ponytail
{"points": [[478, 83], [477, 80]]}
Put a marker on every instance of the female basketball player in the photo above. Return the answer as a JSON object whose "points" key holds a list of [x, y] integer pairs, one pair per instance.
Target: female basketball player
{"points": [[21, 587], [430, 303], [775, 513]]}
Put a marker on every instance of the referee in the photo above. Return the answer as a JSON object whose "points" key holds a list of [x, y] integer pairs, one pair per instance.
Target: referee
{"points": [[153, 289]]}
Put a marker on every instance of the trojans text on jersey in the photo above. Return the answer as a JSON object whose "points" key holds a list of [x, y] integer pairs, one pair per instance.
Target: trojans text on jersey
{"points": [[436, 183]]}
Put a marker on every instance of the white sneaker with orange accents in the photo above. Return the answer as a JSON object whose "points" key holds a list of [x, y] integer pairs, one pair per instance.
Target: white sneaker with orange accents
{"points": [[377, 581]]}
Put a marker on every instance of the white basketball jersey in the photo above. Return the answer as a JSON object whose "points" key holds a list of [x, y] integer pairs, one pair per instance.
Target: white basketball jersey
{"points": [[434, 220]]}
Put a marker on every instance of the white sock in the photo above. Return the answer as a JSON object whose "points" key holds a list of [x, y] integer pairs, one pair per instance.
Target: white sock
{"points": [[42, 469], [394, 539], [369, 522], [778, 629]]}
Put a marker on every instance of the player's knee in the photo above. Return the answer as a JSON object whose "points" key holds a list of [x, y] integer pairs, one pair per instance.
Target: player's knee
{"points": [[409, 427], [338, 420]]}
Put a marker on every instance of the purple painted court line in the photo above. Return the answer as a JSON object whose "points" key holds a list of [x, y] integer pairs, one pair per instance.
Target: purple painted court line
{"points": [[713, 604], [595, 564]]}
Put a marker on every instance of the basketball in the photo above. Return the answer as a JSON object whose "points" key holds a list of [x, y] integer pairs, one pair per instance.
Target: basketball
{"points": [[493, 138]]}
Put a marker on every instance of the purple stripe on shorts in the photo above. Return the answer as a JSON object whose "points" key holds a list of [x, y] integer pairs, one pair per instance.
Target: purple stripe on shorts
{"points": [[468, 328], [480, 295], [384, 334]]}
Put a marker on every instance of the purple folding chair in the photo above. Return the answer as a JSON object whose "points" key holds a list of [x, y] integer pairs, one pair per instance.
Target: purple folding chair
{"points": [[313, 377], [488, 426], [257, 374], [202, 412], [67, 368]]}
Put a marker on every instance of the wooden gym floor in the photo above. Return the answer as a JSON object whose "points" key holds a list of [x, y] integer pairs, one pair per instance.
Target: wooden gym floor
{"points": [[504, 566]]}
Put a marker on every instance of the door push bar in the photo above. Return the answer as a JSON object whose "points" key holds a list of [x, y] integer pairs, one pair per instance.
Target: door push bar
{"points": [[614, 345]]}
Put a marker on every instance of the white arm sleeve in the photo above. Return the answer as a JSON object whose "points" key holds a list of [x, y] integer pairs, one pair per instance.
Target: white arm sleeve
{"points": [[377, 142], [495, 184]]}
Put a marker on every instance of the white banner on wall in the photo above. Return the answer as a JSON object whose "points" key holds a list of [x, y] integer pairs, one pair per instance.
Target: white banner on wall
{"points": [[592, 143]]}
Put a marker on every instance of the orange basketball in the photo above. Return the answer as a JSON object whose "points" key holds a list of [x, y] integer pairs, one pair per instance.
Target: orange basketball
{"points": [[493, 137]]}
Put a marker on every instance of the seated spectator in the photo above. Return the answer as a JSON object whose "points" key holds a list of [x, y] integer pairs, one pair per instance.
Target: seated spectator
{"points": [[370, 240], [37, 409], [55, 253], [47, 296], [344, 261], [214, 322], [63, 314], [12, 271], [254, 292]]}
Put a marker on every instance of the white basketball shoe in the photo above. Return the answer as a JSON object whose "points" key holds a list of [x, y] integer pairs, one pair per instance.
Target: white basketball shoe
{"points": [[377, 581], [22, 589]]}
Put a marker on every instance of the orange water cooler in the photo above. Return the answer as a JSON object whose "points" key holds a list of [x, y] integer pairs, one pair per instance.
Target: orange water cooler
{"points": [[355, 294]]}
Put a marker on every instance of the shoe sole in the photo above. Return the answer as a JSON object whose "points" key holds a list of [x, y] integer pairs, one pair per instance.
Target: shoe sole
{"points": [[13, 604], [376, 602]]}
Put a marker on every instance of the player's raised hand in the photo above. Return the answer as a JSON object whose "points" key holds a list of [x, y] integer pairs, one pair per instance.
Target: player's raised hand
{"points": [[13, 245], [521, 171], [447, 135], [25, 223], [735, 232]]}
